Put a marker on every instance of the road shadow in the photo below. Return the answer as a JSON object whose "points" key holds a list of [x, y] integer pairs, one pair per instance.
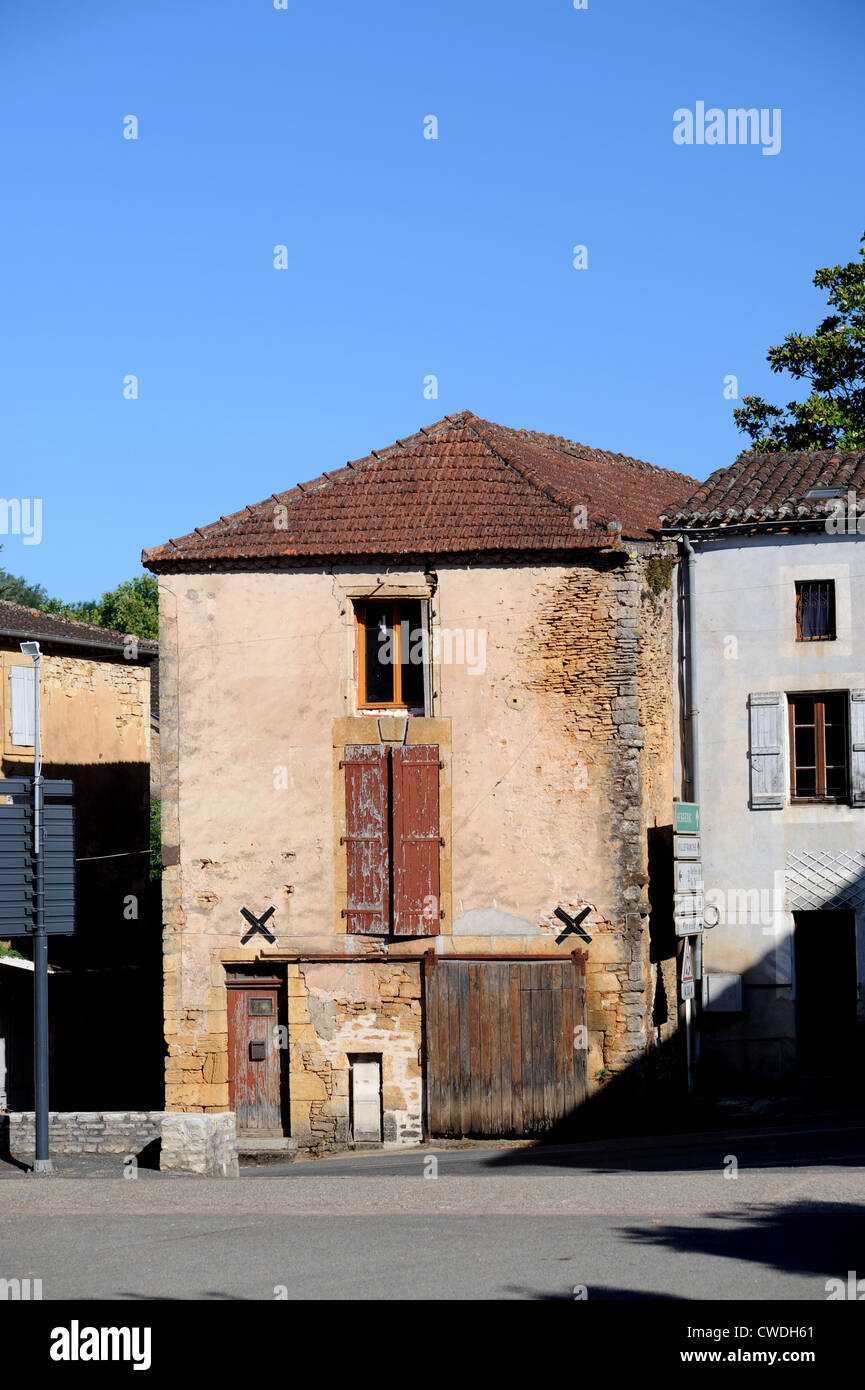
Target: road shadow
{"points": [[819, 1238]]}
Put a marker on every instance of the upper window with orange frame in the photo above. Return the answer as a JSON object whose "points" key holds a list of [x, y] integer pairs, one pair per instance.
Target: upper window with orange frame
{"points": [[392, 655]]}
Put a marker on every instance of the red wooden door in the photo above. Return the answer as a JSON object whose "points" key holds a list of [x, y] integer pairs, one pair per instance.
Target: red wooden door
{"points": [[254, 1059]]}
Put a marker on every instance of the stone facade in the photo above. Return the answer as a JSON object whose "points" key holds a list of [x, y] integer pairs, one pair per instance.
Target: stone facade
{"points": [[556, 764]]}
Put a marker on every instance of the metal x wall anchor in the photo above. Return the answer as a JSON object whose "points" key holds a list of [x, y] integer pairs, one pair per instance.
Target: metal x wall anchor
{"points": [[257, 924], [572, 924]]}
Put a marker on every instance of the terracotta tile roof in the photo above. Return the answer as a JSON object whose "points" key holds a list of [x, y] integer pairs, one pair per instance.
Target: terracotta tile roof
{"points": [[461, 485], [20, 622], [770, 487]]}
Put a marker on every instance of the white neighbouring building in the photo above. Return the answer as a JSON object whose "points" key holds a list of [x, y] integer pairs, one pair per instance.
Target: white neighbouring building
{"points": [[773, 696]]}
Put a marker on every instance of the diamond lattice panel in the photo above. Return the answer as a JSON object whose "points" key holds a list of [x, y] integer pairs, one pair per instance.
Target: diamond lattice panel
{"points": [[817, 881]]}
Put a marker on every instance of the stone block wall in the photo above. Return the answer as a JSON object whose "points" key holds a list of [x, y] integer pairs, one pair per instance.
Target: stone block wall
{"points": [[600, 657], [85, 1131], [338, 1011]]}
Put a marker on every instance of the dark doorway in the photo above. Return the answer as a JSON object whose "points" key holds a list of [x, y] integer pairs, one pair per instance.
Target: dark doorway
{"points": [[826, 992]]}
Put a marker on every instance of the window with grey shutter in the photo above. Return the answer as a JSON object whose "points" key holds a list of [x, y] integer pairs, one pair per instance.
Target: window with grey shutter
{"points": [[21, 706], [766, 749], [857, 747]]}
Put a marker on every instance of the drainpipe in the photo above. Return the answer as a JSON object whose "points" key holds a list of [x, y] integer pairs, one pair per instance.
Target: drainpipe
{"points": [[693, 779], [691, 669]]}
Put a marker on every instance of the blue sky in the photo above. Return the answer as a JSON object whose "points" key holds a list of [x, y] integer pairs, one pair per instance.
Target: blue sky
{"points": [[407, 257]]}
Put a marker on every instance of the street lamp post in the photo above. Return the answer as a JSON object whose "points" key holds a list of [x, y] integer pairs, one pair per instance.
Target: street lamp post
{"points": [[42, 1163]]}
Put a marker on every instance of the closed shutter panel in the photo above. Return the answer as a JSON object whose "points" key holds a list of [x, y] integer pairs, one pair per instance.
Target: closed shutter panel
{"points": [[22, 714], [366, 839], [857, 747], [766, 749], [416, 840]]}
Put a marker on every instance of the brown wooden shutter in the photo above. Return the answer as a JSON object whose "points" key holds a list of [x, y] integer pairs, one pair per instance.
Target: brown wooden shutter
{"points": [[366, 839], [416, 905]]}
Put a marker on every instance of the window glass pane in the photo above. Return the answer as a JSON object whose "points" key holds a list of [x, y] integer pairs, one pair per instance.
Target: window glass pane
{"points": [[379, 652], [816, 609], [806, 783], [803, 709], [805, 748], [836, 742], [413, 653], [261, 1006], [836, 781]]}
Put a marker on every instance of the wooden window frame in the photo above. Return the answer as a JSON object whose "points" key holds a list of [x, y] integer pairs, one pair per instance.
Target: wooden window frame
{"points": [[818, 699], [397, 705], [823, 637]]}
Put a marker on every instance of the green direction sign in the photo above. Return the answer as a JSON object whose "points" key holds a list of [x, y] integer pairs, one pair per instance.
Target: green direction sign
{"points": [[686, 817]]}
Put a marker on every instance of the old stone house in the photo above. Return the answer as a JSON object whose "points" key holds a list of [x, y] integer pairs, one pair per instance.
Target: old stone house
{"points": [[410, 710], [98, 720], [776, 757]]}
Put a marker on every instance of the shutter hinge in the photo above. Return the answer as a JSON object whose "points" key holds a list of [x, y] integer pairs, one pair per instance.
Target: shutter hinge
{"points": [[341, 764], [441, 765]]}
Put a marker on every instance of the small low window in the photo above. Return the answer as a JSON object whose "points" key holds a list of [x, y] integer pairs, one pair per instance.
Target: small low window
{"points": [[393, 655], [815, 610]]}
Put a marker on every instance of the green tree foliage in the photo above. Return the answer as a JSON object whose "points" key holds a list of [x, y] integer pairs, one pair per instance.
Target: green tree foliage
{"points": [[14, 589], [832, 359], [155, 841], [132, 607]]}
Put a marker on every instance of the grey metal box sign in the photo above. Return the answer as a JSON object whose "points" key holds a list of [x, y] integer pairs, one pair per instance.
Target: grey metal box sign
{"points": [[18, 861]]}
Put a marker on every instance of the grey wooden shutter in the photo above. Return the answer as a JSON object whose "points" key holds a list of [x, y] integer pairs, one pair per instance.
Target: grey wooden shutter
{"points": [[21, 682], [766, 710], [857, 747]]}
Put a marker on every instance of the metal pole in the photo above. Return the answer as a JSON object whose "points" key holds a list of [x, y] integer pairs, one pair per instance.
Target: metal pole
{"points": [[691, 1041], [42, 1162]]}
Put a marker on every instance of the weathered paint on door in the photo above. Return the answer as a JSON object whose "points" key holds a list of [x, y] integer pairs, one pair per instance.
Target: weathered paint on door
{"points": [[367, 838], [505, 1050], [416, 904], [254, 1059]]}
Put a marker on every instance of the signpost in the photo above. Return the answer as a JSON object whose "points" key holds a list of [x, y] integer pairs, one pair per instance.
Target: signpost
{"points": [[689, 907], [688, 969], [686, 818]]}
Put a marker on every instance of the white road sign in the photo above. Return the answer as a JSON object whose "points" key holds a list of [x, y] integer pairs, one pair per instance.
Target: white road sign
{"points": [[687, 962], [688, 926], [689, 905], [686, 846], [689, 877]]}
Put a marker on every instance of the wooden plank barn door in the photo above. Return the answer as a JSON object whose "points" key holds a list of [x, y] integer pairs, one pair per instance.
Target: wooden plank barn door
{"points": [[501, 1053]]}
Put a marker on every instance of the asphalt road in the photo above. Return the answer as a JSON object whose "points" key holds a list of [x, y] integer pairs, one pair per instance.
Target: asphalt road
{"points": [[650, 1218]]}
